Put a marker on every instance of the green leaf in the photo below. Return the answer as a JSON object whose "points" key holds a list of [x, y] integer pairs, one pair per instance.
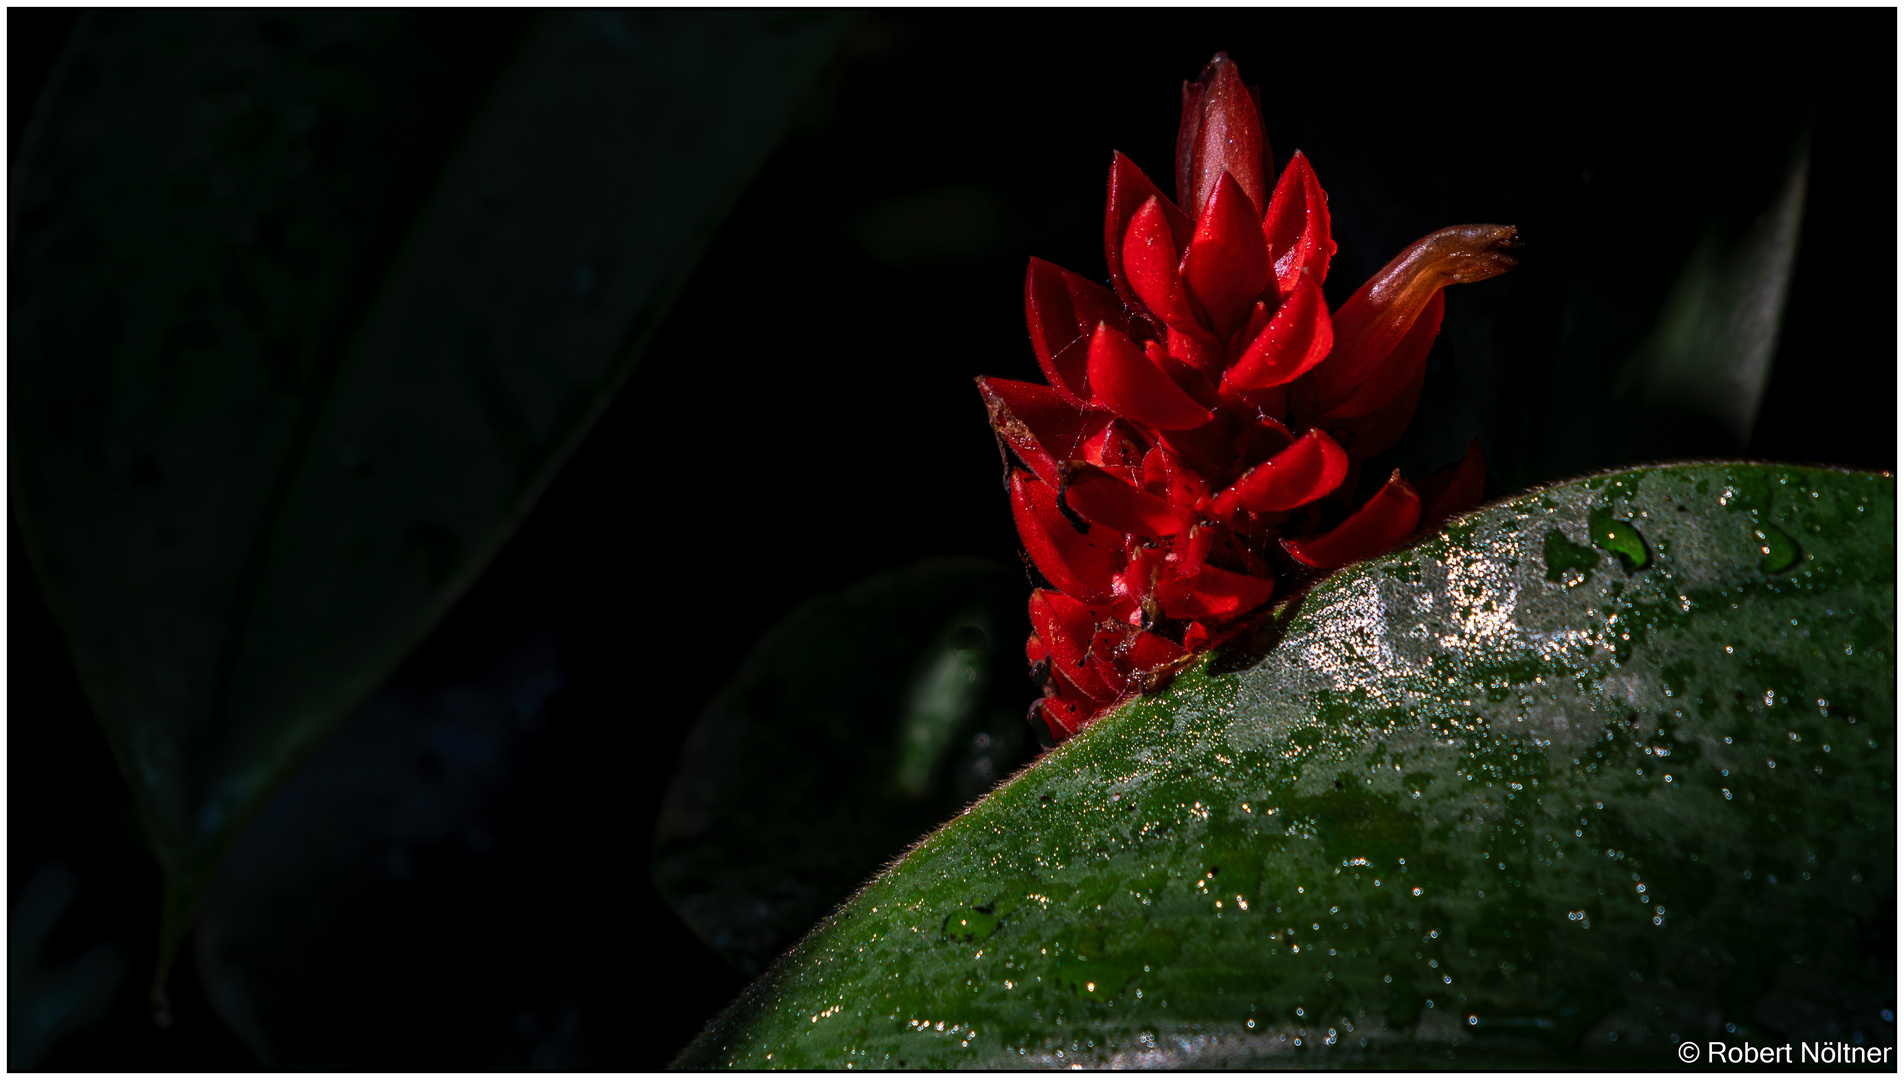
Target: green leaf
{"points": [[297, 340], [1667, 355], [1710, 352], [857, 723], [1440, 810]]}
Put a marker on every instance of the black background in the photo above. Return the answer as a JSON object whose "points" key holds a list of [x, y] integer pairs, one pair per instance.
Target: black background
{"points": [[806, 417]]}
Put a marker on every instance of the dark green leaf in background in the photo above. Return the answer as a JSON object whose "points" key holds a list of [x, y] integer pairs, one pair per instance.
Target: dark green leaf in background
{"points": [[1710, 352], [1644, 320], [1514, 796], [860, 722], [1678, 274], [295, 344]]}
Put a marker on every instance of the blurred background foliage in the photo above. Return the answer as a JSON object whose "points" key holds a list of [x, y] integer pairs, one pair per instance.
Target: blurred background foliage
{"points": [[460, 877], [304, 341]]}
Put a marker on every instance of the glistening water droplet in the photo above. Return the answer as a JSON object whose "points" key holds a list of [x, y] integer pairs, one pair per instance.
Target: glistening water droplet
{"points": [[1778, 550], [1618, 537]]}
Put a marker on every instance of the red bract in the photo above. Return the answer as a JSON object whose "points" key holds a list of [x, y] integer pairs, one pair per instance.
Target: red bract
{"points": [[1204, 422]]}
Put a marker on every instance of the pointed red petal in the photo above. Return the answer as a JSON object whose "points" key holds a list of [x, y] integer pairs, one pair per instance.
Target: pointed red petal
{"points": [[1213, 593], [1196, 638], [1455, 489], [1199, 351], [1065, 716], [1227, 264], [1297, 226], [1066, 627], [1150, 266], [1125, 655], [1296, 340], [1119, 449], [1098, 496], [1037, 423], [1061, 310], [1108, 646], [1374, 321], [1126, 381], [1104, 660], [1080, 564], [1308, 469], [1148, 652], [1221, 131], [1138, 580], [1384, 521], [1035, 653], [1129, 190], [1167, 478], [1069, 688]]}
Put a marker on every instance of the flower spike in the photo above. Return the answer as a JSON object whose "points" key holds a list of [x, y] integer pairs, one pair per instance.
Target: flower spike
{"points": [[1155, 482]]}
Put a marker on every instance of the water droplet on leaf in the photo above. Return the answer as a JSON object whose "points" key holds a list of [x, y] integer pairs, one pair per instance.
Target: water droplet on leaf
{"points": [[1618, 537], [1780, 552]]}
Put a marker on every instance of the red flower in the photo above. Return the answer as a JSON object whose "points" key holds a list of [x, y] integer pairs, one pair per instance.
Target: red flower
{"points": [[1204, 423]]}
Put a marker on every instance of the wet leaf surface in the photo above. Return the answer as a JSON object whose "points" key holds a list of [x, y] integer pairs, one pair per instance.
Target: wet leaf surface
{"points": [[1446, 809], [296, 343]]}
